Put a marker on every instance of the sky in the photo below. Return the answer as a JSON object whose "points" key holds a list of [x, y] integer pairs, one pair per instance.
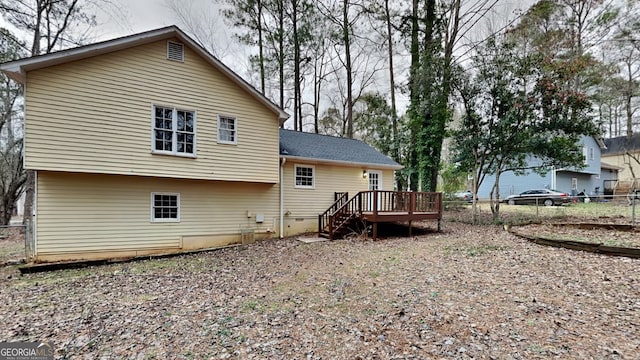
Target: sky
{"points": [[139, 16], [125, 17], [133, 16]]}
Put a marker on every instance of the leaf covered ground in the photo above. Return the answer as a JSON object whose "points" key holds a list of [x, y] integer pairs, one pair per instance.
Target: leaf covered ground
{"points": [[468, 292]]}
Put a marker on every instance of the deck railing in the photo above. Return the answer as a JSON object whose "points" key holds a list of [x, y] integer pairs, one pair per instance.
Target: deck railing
{"points": [[377, 202]]}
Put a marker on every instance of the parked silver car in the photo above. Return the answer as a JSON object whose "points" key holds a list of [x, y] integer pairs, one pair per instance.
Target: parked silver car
{"points": [[464, 195], [544, 197]]}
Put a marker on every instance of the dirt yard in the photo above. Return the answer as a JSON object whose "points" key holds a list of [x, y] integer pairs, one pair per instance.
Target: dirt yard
{"points": [[469, 292]]}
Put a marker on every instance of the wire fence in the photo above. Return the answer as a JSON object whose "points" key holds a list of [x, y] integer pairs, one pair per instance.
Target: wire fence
{"points": [[12, 235], [620, 209]]}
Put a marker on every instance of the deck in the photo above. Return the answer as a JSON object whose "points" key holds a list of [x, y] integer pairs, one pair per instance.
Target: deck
{"points": [[379, 207]]}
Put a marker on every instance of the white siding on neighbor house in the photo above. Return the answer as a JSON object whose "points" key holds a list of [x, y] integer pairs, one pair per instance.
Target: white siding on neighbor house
{"points": [[79, 213], [95, 115]]}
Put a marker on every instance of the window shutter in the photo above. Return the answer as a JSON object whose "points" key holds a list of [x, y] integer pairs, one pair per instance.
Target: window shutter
{"points": [[175, 51]]}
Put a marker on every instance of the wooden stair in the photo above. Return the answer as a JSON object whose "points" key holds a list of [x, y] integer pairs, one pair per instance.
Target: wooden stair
{"points": [[338, 218], [626, 187]]}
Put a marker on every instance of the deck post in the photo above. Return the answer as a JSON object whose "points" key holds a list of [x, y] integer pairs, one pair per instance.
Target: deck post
{"points": [[375, 204], [439, 200], [375, 231], [331, 227], [412, 202], [410, 229]]}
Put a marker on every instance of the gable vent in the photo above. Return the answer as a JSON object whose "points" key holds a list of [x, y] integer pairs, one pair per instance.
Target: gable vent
{"points": [[175, 51]]}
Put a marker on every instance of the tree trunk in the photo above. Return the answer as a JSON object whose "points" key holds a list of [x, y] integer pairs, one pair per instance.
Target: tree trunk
{"points": [[412, 181], [348, 67], [430, 153], [629, 94], [495, 198], [316, 97], [281, 52], [29, 187], [260, 45], [35, 46], [297, 103], [395, 154]]}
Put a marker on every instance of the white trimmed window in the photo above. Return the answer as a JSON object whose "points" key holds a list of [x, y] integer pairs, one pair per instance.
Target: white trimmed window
{"points": [[227, 129], [591, 154], [165, 207], [304, 176], [174, 131]]}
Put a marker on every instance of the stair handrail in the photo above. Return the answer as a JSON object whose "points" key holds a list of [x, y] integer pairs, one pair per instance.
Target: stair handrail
{"points": [[324, 218], [350, 207]]}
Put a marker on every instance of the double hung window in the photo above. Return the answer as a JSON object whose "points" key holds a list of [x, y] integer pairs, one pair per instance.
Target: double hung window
{"points": [[174, 131], [304, 177]]}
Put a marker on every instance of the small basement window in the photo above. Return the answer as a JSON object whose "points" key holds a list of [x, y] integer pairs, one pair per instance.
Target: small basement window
{"points": [[175, 51], [165, 207], [304, 177]]}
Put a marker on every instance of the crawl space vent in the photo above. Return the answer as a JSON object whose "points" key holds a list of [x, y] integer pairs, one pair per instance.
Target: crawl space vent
{"points": [[175, 51]]}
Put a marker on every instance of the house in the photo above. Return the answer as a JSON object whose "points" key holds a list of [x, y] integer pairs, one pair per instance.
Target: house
{"points": [[571, 181], [148, 144], [314, 166], [623, 153]]}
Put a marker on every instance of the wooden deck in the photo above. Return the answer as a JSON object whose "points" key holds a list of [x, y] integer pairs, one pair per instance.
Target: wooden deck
{"points": [[379, 207]]}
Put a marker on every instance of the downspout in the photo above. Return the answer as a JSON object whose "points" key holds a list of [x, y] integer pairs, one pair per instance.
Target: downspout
{"points": [[34, 217], [282, 162]]}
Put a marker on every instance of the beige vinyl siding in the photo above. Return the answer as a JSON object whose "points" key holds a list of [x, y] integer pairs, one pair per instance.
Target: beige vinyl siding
{"points": [[95, 116], [79, 213], [625, 163], [329, 179]]}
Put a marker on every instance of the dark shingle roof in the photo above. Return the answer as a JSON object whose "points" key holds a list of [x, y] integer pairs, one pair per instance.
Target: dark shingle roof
{"points": [[330, 148], [622, 144]]}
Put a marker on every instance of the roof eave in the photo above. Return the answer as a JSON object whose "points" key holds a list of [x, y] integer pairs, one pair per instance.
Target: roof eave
{"points": [[14, 72], [18, 69], [610, 167], [343, 163], [282, 116]]}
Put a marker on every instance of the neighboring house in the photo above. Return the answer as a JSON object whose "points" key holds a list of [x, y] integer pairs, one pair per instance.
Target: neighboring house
{"points": [[624, 152], [149, 144], [571, 181]]}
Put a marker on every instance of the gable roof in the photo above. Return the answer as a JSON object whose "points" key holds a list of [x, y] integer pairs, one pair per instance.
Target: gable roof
{"points": [[622, 144], [331, 149], [17, 69]]}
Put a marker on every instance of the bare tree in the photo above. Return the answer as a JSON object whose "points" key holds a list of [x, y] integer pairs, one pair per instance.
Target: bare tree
{"points": [[249, 14], [50, 25], [203, 24], [344, 15], [12, 175], [626, 49]]}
